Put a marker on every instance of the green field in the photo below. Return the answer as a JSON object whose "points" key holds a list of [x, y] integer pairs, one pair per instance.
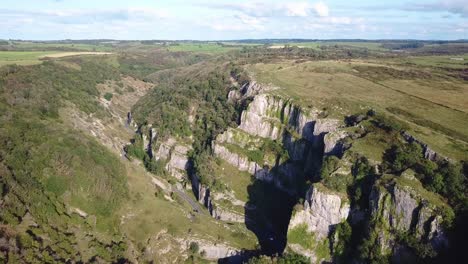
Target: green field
{"points": [[35, 57], [24, 45], [454, 61], [22, 57], [202, 47], [317, 44]]}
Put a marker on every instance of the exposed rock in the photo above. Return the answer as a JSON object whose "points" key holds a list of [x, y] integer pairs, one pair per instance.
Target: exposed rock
{"points": [[79, 212], [322, 127], [262, 117], [427, 152], [405, 207], [212, 251], [333, 144], [241, 162], [164, 150], [234, 95], [228, 216], [252, 88], [178, 162], [402, 207], [321, 212]]}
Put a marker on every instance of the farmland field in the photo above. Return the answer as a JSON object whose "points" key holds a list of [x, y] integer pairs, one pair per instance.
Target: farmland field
{"points": [[34, 57]]}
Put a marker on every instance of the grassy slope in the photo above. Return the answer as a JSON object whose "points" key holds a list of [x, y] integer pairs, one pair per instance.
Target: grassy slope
{"points": [[436, 115], [146, 215], [53, 171]]}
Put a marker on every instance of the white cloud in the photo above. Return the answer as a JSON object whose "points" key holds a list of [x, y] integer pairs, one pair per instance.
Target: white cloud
{"points": [[321, 9], [266, 9], [251, 21], [300, 9]]}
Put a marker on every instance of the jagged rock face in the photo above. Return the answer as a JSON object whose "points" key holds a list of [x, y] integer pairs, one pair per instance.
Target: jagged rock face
{"points": [[251, 88], [267, 113], [405, 207], [205, 197], [402, 209], [300, 130], [260, 119], [241, 162], [296, 148], [332, 144], [178, 162], [164, 150], [268, 116], [215, 251], [321, 212]]}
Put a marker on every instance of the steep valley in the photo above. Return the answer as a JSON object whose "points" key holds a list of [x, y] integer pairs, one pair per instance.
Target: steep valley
{"points": [[153, 156]]}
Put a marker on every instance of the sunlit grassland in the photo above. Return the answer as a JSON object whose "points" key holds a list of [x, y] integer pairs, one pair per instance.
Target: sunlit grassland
{"points": [[145, 214], [22, 57], [202, 47], [36, 57], [51, 46], [233, 178], [452, 61], [435, 109]]}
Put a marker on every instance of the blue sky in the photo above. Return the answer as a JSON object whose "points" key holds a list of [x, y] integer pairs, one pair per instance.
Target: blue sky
{"points": [[240, 19]]}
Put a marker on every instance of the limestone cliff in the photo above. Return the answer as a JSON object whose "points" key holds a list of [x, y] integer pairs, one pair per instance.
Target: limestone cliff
{"points": [[299, 130], [311, 226], [401, 206], [322, 210]]}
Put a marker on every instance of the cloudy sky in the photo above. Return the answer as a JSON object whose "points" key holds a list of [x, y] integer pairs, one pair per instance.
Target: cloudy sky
{"points": [[238, 19]]}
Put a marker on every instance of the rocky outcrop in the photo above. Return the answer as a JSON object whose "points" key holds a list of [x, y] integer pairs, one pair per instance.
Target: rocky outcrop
{"points": [[227, 216], [178, 163], [427, 152], [322, 211], [333, 144], [164, 149], [272, 117], [206, 198], [267, 115], [214, 251], [235, 159], [401, 205], [261, 117]]}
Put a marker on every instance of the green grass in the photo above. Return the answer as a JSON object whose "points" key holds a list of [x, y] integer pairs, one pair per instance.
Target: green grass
{"points": [[108, 96], [299, 235], [432, 111], [29, 57], [22, 57], [60, 46], [145, 217], [436, 61], [233, 178]]}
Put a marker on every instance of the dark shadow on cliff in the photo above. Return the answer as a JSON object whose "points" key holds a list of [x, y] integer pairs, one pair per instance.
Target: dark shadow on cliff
{"points": [[274, 192], [267, 215]]}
